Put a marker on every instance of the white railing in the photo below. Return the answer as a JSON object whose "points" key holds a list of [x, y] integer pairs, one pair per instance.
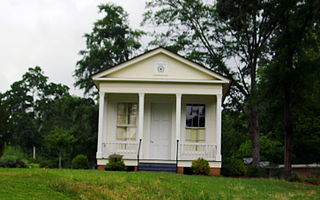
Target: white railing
{"points": [[192, 151], [128, 149]]}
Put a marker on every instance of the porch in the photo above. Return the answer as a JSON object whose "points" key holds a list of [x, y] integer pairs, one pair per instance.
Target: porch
{"points": [[160, 128]]}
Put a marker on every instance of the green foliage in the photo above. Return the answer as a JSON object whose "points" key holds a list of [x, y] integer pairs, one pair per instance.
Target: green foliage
{"points": [[111, 42], [13, 157], [254, 171], [200, 167], [80, 162], [115, 163], [314, 179], [60, 141], [233, 167], [271, 150]]}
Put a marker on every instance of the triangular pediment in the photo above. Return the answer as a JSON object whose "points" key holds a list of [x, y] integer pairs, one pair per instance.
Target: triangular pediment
{"points": [[159, 64]]}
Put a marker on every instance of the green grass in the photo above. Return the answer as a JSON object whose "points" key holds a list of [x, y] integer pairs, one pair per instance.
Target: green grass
{"points": [[90, 184]]}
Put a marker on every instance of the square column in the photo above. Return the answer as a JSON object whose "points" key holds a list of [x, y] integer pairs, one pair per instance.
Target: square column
{"points": [[141, 115], [100, 125], [218, 126], [178, 116]]}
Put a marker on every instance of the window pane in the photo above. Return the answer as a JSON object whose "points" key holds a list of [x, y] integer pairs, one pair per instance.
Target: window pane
{"points": [[201, 121], [195, 115], [201, 135], [188, 116], [131, 133], [121, 133], [127, 114], [195, 122]]}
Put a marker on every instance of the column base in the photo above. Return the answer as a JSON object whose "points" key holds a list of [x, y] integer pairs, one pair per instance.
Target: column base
{"points": [[180, 170], [214, 172], [101, 167]]}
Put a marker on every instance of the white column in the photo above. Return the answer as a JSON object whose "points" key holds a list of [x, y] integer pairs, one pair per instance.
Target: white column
{"points": [[100, 125], [104, 127], [141, 115], [218, 127], [178, 116]]}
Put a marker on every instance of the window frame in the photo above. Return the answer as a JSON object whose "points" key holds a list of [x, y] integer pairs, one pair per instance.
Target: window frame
{"points": [[198, 128]]}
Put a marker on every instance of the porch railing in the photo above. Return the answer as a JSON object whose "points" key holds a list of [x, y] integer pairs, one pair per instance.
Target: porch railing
{"points": [[191, 151], [128, 149]]}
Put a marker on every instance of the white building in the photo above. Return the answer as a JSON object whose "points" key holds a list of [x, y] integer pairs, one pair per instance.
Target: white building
{"points": [[160, 108]]}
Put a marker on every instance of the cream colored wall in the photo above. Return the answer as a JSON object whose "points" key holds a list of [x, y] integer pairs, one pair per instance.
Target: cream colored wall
{"points": [[146, 69], [161, 88]]}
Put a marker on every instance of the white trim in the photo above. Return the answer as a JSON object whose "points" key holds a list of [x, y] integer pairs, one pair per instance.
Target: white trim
{"points": [[178, 116], [141, 115], [218, 127], [154, 52], [161, 80], [100, 126]]}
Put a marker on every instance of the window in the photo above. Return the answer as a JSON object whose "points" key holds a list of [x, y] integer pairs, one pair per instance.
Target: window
{"points": [[126, 121], [195, 123], [195, 115]]}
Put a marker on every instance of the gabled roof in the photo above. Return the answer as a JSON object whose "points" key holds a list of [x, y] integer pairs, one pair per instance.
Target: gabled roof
{"points": [[101, 75], [110, 69]]}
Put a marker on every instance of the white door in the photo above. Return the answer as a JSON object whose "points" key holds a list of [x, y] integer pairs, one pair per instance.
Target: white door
{"points": [[160, 133]]}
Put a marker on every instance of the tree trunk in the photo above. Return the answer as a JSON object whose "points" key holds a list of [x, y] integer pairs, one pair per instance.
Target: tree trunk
{"points": [[60, 157], [253, 119], [288, 129], [254, 132]]}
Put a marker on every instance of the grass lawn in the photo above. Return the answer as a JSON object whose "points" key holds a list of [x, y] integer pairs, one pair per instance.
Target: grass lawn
{"points": [[90, 184]]}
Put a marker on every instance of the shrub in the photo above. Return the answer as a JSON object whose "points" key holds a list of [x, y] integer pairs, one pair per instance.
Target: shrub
{"points": [[295, 178], [13, 157], [80, 162], [234, 167], [314, 179], [257, 171], [115, 163], [200, 166]]}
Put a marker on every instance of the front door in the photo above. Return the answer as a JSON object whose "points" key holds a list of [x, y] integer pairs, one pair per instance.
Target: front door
{"points": [[160, 133]]}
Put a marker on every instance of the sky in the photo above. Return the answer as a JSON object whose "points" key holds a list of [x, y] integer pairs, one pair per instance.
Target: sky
{"points": [[49, 34]]}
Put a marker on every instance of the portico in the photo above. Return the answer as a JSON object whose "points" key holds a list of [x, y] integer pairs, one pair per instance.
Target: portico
{"points": [[166, 115]]}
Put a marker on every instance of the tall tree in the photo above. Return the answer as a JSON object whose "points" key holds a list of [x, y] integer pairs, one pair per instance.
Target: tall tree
{"points": [[111, 41], [213, 32], [298, 30], [25, 103]]}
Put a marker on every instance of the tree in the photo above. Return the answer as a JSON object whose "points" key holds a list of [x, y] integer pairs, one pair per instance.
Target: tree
{"points": [[295, 56], [111, 42], [25, 104], [213, 32], [60, 141], [4, 125]]}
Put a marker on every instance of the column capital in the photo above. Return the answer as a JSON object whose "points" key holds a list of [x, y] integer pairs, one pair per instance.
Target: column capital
{"points": [[141, 94]]}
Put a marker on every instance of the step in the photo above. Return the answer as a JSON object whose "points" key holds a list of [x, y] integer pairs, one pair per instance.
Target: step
{"points": [[164, 167]]}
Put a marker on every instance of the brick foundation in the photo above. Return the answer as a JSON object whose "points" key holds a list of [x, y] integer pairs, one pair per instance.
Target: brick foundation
{"points": [[180, 170], [214, 172], [100, 167]]}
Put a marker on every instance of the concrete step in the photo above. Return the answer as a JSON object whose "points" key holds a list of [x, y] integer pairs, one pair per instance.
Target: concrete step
{"points": [[159, 167]]}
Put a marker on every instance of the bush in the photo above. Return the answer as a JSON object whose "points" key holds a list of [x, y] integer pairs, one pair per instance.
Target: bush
{"points": [[234, 167], [80, 162], [13, 157], [257, 171], [200, 166], [115, 163], [315, 179]]}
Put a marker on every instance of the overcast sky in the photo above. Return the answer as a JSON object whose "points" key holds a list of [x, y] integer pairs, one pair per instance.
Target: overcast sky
{"points": [[49, 33]]}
